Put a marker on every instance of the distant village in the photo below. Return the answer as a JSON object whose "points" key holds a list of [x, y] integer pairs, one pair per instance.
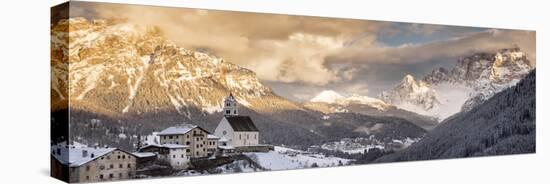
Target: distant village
{"points": [[180, 148]]}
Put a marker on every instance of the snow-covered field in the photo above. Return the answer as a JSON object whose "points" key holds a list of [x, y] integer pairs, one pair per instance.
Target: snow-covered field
{"points": [[285, 158], [362, 145]]}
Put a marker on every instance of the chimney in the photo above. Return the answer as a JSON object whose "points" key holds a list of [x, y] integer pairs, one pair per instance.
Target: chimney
{"points": [[84, 153]]}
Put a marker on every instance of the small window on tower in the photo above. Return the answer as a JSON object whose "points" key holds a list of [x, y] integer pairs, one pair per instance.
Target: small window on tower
{"points": [[228, 111], [228, 104]]}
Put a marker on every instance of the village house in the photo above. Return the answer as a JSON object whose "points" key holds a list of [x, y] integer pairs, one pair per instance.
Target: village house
{"points": [[212, 144], [175, 154], [91, 164], [192, 136], [235, 129]]}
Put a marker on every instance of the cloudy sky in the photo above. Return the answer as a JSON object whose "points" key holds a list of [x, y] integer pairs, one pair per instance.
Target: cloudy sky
{"points": [[300, 56]]}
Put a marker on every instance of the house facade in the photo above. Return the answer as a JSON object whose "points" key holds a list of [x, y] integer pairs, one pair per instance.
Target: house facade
{"points": [[93, 164], [192, 136], [212, 144], [178, 156], [235, 129]]}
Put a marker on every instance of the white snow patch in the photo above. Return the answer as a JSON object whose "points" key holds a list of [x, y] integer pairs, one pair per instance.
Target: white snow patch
{"points": [[285, 158]]}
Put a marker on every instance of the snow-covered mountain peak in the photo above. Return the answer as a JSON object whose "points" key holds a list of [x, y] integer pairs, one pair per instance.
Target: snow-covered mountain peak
{"points": [[142, 70], [327, 96], [332, 97], [473, 79]]}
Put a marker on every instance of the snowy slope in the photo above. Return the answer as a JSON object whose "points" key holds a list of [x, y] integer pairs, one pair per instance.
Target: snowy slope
{"points": [[285, 158]]}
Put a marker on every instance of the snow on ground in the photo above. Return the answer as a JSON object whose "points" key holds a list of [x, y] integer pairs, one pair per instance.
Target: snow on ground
{"points": [[153, 138], [285, 158]]}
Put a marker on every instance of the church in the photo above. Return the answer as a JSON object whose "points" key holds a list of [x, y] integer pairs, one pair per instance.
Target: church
{"points": [[236, 129]]}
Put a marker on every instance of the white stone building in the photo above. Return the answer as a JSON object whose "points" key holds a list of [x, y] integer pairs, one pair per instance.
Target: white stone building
{"points": [[189, 135], [237, 130], [177, 155]]}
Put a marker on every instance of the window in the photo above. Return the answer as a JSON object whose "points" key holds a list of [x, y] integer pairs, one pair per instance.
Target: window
{"points": [[197, 153], [224, 132], [228, 104], [111, 175], [87, 168], [188, 150], [118, 157], [240, 136], [123, 156], [101, 176], [247, 136], [129, 165], [188, 143], [119, 175], [173, 156], [188, 136], [228, 111], [108, 157], [87, 177], [170, 137], [111, 166], [102, 158], [255, 136], [182, 156], [234, 111], [119, 165], [203, 149]]}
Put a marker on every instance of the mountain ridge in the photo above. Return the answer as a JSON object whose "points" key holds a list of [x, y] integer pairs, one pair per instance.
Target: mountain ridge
{"points": [[472, 80]]}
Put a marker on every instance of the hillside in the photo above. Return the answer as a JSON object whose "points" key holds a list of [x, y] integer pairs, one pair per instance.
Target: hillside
{"points": [[504, 124]]}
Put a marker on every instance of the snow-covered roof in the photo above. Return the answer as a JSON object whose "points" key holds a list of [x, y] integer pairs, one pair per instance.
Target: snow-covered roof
{"points": [[176, 130], [144, 154], [169, 146], [223, 139], [226, 147], [210, 136], [174, 146], [75, 156], [181, 129]]}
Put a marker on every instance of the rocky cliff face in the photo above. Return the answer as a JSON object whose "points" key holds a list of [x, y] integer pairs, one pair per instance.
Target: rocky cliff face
{"points": [[140, 71], [503, 124], [474, 79], [124, 80]]}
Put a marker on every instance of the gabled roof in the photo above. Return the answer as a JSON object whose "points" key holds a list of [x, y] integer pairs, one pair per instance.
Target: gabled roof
{"points": [[73, 155], [178, 130], [241, 124]]}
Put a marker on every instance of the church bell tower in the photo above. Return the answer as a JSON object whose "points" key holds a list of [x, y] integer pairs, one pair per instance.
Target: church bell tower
{"points": [[230, 106]]}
